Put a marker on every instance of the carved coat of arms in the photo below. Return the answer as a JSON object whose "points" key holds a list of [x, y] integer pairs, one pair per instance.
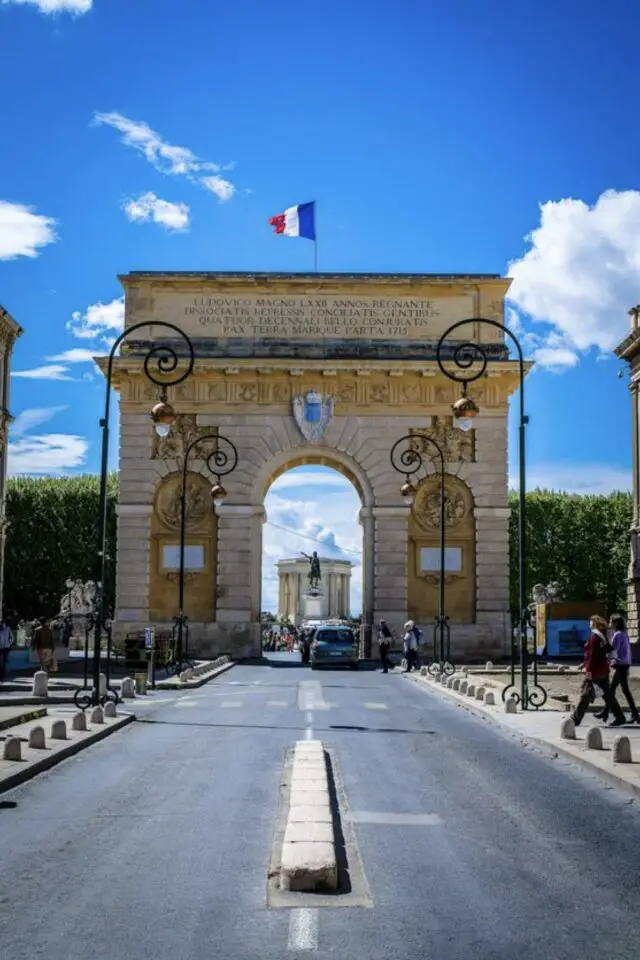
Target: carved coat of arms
{"points": [[313, 413]]}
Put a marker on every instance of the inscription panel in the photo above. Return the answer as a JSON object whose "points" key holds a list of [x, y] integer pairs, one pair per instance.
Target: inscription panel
{"points": [[305, 317]]}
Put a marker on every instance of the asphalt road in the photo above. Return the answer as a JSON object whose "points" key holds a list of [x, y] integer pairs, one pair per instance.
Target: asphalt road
{"points": [[156, 843]]}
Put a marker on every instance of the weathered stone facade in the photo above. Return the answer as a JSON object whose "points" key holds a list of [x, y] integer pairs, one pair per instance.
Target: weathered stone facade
{"points": [[629, 350], [9, 333], [368, 344]]}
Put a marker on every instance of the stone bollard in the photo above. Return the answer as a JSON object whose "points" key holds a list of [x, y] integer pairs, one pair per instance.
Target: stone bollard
{"points": [[471, 690], [450, 682], [423, 671], [464, 672], [128, 689], [488, 665], [562, 668], [567, 729], [110, 709], [594, 738], [79, 721], [622, 750], [102, 684], [40, 684], [490, 698], [141, 685], [97, 715], [37, 738], [12, 749], [511, 705], [456, 683], [463, 686], [480, 692], [59, 730]]}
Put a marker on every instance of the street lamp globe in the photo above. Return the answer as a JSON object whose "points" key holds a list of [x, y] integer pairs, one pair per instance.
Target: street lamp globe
{"points": [[218, 493], [163, 416], [408, 492], [465, 411]]}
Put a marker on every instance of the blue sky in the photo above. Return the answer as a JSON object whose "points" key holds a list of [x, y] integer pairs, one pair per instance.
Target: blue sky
{"points": [[435, 136]]}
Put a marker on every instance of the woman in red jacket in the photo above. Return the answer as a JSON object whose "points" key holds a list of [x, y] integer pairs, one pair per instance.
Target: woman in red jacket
{"points": [[596, 672]]}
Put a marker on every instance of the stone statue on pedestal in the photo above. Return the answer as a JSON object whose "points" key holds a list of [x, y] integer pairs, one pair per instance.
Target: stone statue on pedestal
{"points": [[315, 575]]}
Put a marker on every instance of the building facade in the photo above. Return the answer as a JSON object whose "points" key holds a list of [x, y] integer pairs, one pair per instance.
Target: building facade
{"points": [[9, 333], [629, 350], [325, 369], [335, 589]]}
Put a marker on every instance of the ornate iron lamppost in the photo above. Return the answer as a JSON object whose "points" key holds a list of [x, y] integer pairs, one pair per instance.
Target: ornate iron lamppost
{"points": [[162, 366], [408, 458], [222, 461], [469, 363]]}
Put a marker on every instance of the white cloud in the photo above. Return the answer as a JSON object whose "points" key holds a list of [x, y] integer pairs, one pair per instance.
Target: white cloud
{"points": [[49, 453], [556, 358], [28, 419], [582, 272], [50, 372], [58, 6], [23, 232], [149, 207], [167, 158], [223, 189], [325, 521], [99, 320], [75, 355], [584, 478]]}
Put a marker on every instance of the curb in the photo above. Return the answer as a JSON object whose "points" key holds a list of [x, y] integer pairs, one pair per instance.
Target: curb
{"points": [[309, 860], [23, 718], [33, 769], [551, 750], [194, 684], [29, 701]]}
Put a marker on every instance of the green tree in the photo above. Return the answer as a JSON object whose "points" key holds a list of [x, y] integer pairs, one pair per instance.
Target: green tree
{"points": [[582, 542], [53, 525]]}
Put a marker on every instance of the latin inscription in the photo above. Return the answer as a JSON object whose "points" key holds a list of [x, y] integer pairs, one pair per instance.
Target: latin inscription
{"points": [[315, 317]]}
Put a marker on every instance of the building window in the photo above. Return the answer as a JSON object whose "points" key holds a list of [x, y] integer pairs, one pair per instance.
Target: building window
{"points": [[193, 557], [430, 559]]}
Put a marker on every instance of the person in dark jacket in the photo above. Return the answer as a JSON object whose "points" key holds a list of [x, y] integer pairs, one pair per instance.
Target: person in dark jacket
{"points": [[384, 642], [596, 672], [620, 660]]}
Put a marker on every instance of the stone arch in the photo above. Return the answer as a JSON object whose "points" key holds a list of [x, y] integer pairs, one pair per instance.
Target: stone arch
{"points": [[316, 455], [200, 549], [423, 557]]}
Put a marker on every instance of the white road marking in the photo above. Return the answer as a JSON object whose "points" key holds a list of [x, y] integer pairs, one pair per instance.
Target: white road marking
{"points": [[276, 703], [310, 696], [375, 706], [303, 929], [186, 703], [308, 734], [396, 819], [230, 704]]}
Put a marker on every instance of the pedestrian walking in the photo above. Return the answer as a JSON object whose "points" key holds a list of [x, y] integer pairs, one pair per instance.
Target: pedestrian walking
{"points": [[6, 642], [596, 672], [384, 643], [620, 660], [43, 644], [410, 644]]}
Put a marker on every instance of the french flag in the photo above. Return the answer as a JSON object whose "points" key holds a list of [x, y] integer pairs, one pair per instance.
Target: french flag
{"points": [[297, 221]]}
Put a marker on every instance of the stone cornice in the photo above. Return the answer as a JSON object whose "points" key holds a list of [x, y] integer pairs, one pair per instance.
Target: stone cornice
{"points": [[9, 329]]}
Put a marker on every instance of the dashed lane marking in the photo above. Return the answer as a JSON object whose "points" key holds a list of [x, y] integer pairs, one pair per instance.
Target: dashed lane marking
{"points": [[277, 703], [303, 929], [231, 704], [375, 706]]}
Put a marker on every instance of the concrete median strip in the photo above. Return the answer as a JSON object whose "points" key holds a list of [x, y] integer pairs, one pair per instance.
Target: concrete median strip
{"points": [[309, 861]]}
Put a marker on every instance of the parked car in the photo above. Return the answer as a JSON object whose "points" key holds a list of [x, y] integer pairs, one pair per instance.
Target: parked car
{"points": [[335, 645]]}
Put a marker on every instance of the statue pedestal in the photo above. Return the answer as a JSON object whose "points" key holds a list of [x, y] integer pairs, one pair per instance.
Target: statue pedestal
{"points": [[312, 605]]}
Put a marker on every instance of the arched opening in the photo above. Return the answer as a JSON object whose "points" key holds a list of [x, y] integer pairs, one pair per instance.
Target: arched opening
{"points": [[312, 504]]}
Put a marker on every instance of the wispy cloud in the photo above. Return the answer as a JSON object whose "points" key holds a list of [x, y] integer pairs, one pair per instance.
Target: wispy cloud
{"points": [[50, 372], [583, 478], [23, 232], [99, 320], [58, 6], [150, 208], [167, 157], [75, 355], [27, 420], [50, 453]]}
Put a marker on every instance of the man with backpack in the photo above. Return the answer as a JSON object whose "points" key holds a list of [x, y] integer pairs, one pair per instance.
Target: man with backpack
{"points": [[411, 642], [596, 673], [384, 642]]}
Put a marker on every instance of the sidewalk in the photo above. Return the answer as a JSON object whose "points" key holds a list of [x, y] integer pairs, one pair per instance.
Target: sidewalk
{"points": [[541, 728]]}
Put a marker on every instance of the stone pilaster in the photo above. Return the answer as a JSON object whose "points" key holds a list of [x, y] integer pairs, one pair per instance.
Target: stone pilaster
{"points": [[132, 587], [492, 572], [390, 574], [237, 625]]}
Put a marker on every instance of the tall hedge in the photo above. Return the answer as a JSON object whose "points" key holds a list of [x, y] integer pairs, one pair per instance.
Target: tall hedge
{"points": [[52, 536], [580, 541]]}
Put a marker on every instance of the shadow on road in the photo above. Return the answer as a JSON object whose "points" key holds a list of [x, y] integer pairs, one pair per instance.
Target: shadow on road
{"points": [[280, 726]]}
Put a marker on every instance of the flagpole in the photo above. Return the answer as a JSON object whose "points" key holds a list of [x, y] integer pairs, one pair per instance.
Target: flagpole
{"points": [[315, 255], [315, 235]]}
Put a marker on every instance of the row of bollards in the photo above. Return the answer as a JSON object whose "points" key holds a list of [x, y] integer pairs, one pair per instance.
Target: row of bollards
{"points": [[621, 749], [12, 749]]}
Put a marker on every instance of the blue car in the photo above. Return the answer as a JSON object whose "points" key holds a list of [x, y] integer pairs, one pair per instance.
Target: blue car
{"points": [[334, 646]]}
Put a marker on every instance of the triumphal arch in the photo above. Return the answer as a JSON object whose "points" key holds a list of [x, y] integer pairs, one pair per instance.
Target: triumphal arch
{"points": [[360, 349]]}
